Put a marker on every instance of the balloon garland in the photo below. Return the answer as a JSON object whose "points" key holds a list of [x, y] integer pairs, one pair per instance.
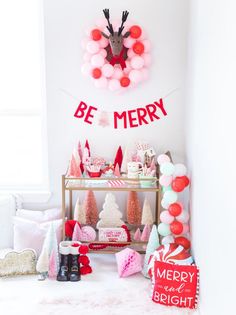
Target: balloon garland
{"points": [[174, 219], [117, 73]]}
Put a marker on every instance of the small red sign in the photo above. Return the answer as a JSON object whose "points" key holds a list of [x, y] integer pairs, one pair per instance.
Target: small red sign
{"points": [[175, 285]]}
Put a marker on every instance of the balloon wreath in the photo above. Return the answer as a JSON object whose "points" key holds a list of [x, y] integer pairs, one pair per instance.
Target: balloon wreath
{"points": [[117, 54]]}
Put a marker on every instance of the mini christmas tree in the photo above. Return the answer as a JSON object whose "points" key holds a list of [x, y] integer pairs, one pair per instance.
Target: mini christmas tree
{"points": [[153, 244], [126, 158], [43, 261], [147, 217], [74, 168], [90, 208], [77, 233], [80, 152], [133, 209], [110, 216], [87, 147], [79, 213], [146, 233], [137, 235], [117, 171], [52, 272], [119, 157]]}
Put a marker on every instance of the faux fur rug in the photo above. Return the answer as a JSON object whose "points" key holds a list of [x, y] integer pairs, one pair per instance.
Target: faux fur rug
{"points": [[101, 293]]}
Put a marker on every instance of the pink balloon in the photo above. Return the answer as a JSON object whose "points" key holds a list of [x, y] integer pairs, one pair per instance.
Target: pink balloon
{"points": [[163, 158], [165, 180], [107, 70], [147, 45], [114, 85], [147, 59], [92, 47], [185, 228], [86, 69], [103, 52], [166, 217], [131, 53], [137, 62], [135, 76], [164, 204], [103, 42], [128, 42], [87, 56], [118, 73], [183, 217], [101, 83], [97, 60]]}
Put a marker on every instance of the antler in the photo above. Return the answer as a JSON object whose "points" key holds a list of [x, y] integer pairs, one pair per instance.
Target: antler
{"points": [[107, 16], [124, 18]]}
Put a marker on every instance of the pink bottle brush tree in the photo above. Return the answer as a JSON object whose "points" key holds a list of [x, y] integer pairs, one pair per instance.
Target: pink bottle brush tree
{"points": [[134, 211], [90, 208]]}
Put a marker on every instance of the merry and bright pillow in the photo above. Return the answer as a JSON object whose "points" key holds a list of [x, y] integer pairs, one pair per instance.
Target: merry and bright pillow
{"points": [[175, 285]]}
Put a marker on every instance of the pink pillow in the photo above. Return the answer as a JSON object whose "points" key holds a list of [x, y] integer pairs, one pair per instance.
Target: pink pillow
{"points": [[40, 216], [30, 234]]}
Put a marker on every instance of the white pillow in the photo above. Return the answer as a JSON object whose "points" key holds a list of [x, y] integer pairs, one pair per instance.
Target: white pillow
{"points": [[40, 216], [30, 234]]}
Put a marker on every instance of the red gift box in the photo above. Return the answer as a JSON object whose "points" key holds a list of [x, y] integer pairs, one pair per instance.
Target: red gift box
{"points": [[175, 285]]}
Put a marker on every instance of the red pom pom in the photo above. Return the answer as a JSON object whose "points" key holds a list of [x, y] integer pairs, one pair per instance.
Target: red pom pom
{"points": [[186, 180], [135, 31], [69, 227], [96, 34], [175, 209], [125, 81], [138, 48], [96, 73], [176, 227], [183, 241], [84, 260], [84, 270], [83, 249]]}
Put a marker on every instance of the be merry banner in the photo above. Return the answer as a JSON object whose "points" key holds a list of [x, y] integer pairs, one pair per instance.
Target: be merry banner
{"points": [[175, 285], [121, 119]]}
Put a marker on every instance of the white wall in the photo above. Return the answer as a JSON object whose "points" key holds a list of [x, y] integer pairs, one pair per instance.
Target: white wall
{"points": [[65, 23], [210, 133]]}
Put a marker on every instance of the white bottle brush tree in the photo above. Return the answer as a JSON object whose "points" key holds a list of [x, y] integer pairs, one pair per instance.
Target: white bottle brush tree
{"points": [[110, 216]]}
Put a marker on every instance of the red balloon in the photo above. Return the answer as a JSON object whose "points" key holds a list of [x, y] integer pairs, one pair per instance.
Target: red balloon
{"points": [[135, 31], [138, 48], [175, 209], [96, 34], [186, 180], [125, 81], [96, 73], [183, 241], [178, 184], [176, 227]]}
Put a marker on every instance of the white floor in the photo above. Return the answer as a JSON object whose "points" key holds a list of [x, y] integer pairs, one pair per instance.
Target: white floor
{"points": [[101, 293]]}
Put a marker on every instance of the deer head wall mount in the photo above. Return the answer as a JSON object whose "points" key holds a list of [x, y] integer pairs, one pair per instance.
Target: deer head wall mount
{"points": [[116, 52]]}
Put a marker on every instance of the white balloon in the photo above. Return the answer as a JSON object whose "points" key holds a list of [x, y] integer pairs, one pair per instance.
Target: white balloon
{"points": [[118, 73], [183, 217], [103, 52], [180, 170], [165, 204], [135, 76], [103, 42], [86, 69], [137, 62], [114, 85], [107, 70], [87, 56], [97, 60], [92, 47], [101, 83], [167, 239]]}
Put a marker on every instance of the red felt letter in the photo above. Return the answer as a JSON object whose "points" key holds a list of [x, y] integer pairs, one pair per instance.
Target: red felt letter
{"points": [[141, 116], [120, 116], [151, 109], [89, 115], [80, 110], [132, 119], [161, 106]]}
